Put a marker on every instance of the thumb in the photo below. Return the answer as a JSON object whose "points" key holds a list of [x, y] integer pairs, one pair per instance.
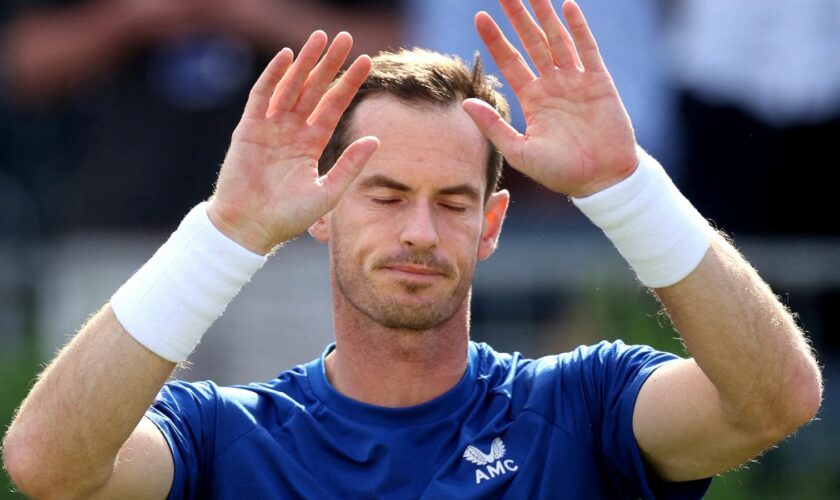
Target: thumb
{"points": [[501, 133], [347, 167]]}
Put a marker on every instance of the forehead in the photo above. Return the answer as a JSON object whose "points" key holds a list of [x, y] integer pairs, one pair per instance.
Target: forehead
{"points": [[422, 142]]}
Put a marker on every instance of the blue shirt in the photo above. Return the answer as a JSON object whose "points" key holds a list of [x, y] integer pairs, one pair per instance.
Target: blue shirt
{"points": [[555, 427]]}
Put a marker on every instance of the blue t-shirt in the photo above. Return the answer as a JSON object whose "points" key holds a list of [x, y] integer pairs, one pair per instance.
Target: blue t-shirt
{"points": [[555, 427]]}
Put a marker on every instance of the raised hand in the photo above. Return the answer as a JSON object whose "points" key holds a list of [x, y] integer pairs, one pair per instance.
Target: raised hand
{"points": [[269, 190], [578, 138]]}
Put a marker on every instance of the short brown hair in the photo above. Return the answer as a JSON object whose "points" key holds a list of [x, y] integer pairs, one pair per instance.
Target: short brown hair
{"points": [[420, 76]]}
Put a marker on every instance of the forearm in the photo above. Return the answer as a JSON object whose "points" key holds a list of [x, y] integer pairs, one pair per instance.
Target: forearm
{"points": [[84, 406], [745, 341], [742, 338], [753, 379]]}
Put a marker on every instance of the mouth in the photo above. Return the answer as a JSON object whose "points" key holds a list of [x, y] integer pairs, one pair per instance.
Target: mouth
{"points": [[414, 270]]}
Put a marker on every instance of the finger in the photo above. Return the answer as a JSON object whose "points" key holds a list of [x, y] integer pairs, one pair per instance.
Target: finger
{"points": [[347, 167], [506, 139], [260, 97], [324, 73], [508, 59], [329, 110], [562, 47], [587, 48], [288, 90], [530, 33]]}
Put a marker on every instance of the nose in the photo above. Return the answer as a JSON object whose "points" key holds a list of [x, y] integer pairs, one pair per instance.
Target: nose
{"points": [[419, 231]]}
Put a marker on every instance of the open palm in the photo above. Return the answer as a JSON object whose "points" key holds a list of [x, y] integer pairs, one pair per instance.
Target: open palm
{"points": [[269, 189], [578, 137]]}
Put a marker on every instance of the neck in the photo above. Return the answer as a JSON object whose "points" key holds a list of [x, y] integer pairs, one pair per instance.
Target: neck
{"points": [[395, 368]]}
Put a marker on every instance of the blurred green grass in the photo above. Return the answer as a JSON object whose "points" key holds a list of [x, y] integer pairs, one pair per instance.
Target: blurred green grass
{"points": [[17, 373]]}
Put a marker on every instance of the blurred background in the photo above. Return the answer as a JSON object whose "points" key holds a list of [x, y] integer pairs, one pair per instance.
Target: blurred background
{"points": [[115, 116]]}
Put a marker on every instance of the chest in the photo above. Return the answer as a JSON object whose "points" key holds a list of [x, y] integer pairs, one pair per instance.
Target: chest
{"points": [[520, 457]]}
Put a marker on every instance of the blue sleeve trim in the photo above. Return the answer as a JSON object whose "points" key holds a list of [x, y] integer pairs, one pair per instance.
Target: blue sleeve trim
{"points": [[186, 415], [166, 428]]}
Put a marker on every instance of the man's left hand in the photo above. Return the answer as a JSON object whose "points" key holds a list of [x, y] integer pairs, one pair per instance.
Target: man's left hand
{"points": [[578, 138]]}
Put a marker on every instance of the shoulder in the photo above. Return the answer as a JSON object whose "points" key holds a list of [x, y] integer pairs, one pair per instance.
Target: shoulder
{"points": [[603, 359], [562, 385], [178, 397], [231, 411], [610, 357], [208, 392], [290, 391]]}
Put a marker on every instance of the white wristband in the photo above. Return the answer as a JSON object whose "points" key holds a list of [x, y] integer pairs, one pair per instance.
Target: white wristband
{"points": [[653, 226], [173, 299]]}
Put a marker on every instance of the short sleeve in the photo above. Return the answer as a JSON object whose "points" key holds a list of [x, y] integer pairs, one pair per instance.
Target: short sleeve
{"points": [[186, 415], [612, 374]]}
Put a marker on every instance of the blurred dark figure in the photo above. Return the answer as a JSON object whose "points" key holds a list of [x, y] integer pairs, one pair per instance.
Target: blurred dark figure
{"points": [[760, 84], [117, 113]]}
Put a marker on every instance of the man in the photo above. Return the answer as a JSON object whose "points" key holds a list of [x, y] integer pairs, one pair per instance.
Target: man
{"points": [[403, 405]]}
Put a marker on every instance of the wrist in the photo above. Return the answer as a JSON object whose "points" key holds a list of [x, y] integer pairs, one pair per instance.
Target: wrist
{"points": [[631, 164], [654, 227], [169, 304], [249, 236]]}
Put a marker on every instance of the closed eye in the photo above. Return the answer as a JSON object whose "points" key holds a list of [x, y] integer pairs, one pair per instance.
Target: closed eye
{"points": [[454, 208], [385, 201]]}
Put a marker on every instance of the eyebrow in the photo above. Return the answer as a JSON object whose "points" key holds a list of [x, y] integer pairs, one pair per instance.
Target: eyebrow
{"points": [[383, 181], [462, 190], [379, 180]]}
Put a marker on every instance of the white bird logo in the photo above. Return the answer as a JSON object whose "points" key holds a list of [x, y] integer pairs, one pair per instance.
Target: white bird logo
{"points": [[476, 456]]}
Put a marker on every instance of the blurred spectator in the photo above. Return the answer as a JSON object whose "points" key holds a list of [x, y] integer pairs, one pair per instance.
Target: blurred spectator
{"points": [[760, 85], [117, 113]]}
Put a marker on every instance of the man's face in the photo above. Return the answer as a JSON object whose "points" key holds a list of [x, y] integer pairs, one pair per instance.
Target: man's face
{"points": [[407, 234]]}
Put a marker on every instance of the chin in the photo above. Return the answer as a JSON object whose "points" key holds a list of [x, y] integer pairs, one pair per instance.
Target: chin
{"points": [[412, 311], [411, 322]]}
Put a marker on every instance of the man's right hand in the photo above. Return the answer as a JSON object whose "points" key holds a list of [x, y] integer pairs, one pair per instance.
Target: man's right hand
{"points": [[269, 190], [85, 413]]}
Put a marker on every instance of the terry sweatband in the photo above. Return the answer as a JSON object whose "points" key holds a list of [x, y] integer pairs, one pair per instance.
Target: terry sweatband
{"points": [[654, 227], [173, 299]]}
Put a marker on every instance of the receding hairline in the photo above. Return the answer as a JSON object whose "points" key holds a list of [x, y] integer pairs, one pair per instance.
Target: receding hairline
{"points": [[417, 104], [421, 105]]}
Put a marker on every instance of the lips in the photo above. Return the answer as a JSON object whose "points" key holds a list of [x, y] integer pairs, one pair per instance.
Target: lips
{"points": [[417, 266], [414, 269]]}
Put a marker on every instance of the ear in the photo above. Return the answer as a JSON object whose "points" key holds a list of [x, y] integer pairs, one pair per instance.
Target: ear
{"points": [[494, 214], [320, 230]]}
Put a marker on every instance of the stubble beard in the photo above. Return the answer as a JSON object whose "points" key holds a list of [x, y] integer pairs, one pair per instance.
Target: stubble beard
{"points": [[362, 293]]}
